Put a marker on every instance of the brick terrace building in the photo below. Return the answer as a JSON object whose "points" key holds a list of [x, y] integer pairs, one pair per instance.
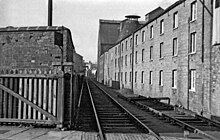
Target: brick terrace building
{"points": [[36, 48], [175, 54]]}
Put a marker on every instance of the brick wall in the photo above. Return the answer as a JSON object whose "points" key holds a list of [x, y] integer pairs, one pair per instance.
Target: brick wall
{"points": [[33, 49]]}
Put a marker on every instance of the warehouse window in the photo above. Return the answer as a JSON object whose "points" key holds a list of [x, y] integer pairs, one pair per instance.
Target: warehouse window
{"points": [[151, 52], [136, 39], [131, 42], [175, 20], [125, 77], [161, 78], [162, 26], [126, 45], [115, 62], [143, 36], [142, 58], [131, 58], [142, 77], [151, 31], [135, 77], [174, 79], [192, 80], [122, 60], [115, 76], [125, 60], [136, 53], [192, 48], [130, 76], [161, 50], [151, 77], [193, 11], [121, 76], [175, 47]]}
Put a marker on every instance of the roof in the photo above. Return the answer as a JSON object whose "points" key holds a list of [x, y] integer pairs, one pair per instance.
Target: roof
{"points": [[108, 31], [32, 28]]}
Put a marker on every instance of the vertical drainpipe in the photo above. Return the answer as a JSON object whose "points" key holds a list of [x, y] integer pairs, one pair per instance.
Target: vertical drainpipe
{"points": [[119, 66], [210, 60], [188, 61], [203, 32], [132, 65]]}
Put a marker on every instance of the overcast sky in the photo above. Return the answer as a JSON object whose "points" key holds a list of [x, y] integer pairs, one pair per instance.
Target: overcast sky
{"points": [[80, 16]]}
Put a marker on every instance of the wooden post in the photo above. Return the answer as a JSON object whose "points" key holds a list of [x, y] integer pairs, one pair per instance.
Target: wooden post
{"points": [[60, 100]]}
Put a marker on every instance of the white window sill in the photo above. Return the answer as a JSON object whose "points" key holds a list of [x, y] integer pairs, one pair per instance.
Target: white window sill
{"points": [[192, 53]]}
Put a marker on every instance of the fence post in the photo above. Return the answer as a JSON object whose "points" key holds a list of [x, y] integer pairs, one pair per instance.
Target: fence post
{"points": [[60, 100]]}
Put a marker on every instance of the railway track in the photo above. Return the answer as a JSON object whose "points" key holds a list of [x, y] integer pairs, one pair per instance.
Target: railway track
{"points": [[115, 113], [187, 120], [108, 114]]}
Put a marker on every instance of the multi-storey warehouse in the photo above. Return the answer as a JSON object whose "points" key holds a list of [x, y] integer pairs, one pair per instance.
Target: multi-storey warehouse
{"points": [[174, 54]]}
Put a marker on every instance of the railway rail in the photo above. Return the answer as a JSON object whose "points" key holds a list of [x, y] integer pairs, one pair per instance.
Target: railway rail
{"points": [[187, 120], [116, 113], [108, 114]]}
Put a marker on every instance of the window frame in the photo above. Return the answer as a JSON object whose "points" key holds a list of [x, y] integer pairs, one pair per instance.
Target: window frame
{"points": [[193, 43], [151, 78], [193, 11], [175, 20], [192, 80], [161, 50], [136, 39], [135, 77], [151, 53], [175, 44], [161, 77], [142, 56], [174, 79], [151, 31], [136, 57], [162, 27]]}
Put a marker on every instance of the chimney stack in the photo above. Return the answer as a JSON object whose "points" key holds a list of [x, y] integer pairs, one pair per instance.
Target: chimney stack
{"points": [[50, 11]]}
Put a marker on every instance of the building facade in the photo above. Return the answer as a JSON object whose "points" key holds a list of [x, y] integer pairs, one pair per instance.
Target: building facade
{"points": [[174, 54]]}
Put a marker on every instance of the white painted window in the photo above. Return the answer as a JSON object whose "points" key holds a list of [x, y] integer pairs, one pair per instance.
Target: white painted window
{"points": [[193, 11], [161, 50], [151, 77], [152, 31], [192, 48], [192, 80], [175, 47], [174, 78], [142, 77], [175, 20], [151, 52], [162, 26], [161, 78]]}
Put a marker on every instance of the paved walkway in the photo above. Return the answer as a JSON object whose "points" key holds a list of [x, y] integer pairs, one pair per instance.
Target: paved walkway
{"points": [[23, 133]]}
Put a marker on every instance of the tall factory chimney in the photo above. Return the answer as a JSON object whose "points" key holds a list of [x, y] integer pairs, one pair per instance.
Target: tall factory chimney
{"points": [[50, 12]]}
